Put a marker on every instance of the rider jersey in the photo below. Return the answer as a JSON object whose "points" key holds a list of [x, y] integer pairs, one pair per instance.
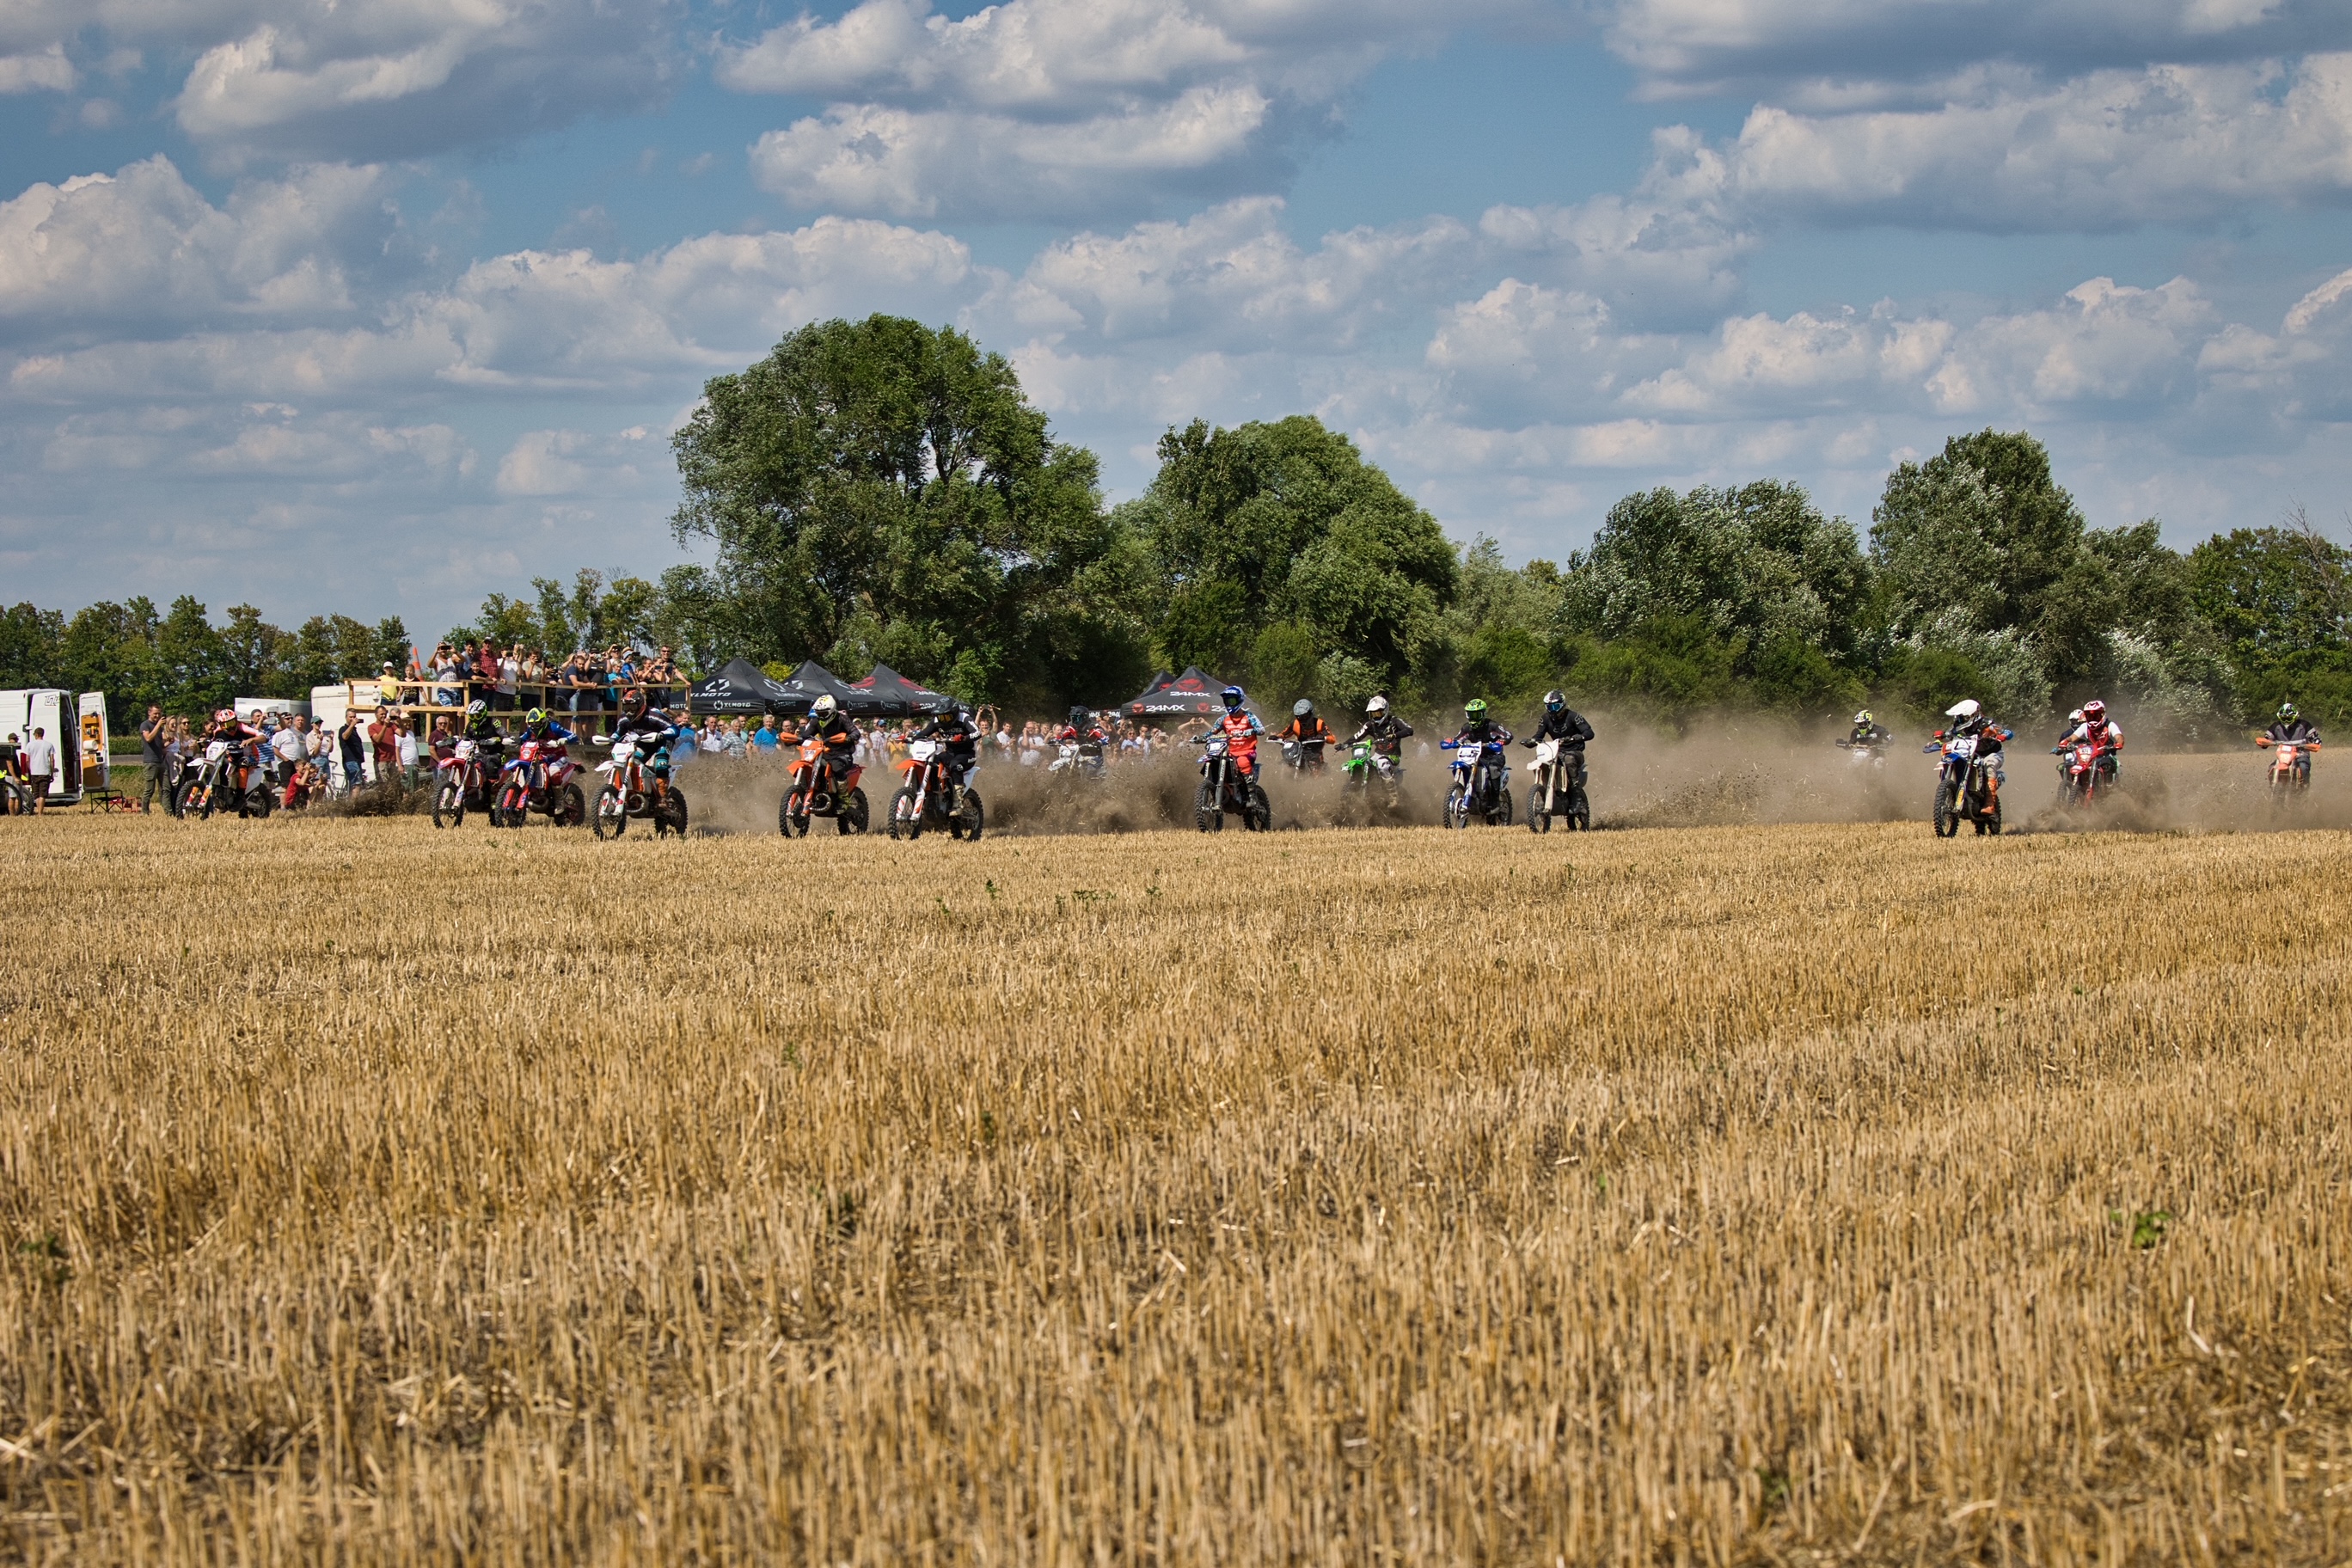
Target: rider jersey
{"points": [[1868, 735], [1569, 727], [1241, 731], [1387, 733], [658, 730], [2109, 736], [1089, 740], [956, 734], [2293, 732], [839, 735], [1486, 733], [1308, 731]]}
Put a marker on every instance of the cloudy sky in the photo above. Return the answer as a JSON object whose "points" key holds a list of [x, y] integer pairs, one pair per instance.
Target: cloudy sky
{"points": [[376, 307]]}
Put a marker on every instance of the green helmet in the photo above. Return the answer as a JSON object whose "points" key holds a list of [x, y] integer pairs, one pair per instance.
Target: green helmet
{"points": [[1475, 709], [2288, 713], [535, 718]]}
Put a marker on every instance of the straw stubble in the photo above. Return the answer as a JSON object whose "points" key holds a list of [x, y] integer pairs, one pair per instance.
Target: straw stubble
{"points": [[1695, 1195]]}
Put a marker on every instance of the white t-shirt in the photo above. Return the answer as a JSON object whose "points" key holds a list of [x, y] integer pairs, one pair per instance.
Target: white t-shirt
{"points": [[41, 756], [510, 674], [407, 749], [288, 744]]}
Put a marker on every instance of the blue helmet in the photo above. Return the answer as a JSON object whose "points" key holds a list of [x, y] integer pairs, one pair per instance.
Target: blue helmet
{"points": [[1233, 698]]}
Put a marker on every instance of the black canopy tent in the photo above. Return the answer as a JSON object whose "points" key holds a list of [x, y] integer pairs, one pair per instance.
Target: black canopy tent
{"points": [[887, 694], [1190, 695], [798, 691], [741, 688]]}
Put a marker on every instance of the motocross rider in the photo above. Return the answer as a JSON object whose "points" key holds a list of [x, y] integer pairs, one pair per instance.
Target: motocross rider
{"points": [[1241, 730], [540, 725], [240, 738], [1481, 730], [1867, 731], [1565, 724], [1968, 718], [2101, 731], [957, 732], [1386, 732], [2292, 729], [1306, 728], [1088, 736], [827, 723], [653, 730]]}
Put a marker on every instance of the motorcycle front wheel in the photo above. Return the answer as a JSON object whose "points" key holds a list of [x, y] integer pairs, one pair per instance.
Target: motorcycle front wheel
{"points": [[1208, 812], [1457, 807], [612, 819], [906, 817], [449, 805], [968, 818], [1948, 820]]}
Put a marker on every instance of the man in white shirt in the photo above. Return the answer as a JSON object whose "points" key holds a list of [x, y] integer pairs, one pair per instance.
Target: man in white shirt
{"points": [[288, 745], [40, 766]]}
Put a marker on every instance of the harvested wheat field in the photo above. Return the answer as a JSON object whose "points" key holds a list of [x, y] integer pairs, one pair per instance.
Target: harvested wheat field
{"points": [[1704, 1195]]}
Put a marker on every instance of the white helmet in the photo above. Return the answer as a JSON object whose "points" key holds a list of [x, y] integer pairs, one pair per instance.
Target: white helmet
{"points": [[1377, 705], [824, 706], [1966, 708], [2075, 717]]}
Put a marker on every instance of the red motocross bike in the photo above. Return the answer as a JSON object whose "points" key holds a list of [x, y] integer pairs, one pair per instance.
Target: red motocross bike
{"points": [[541, 779]]}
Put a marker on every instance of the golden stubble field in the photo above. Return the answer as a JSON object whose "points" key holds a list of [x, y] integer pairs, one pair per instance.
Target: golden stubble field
{"points": [[1705, 1196]]}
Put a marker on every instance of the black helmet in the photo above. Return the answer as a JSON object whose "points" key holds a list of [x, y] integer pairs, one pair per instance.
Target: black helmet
{"points": [[1232, 696], [1077, 716], [1554, 701], [1302, 708], [633, 705]]}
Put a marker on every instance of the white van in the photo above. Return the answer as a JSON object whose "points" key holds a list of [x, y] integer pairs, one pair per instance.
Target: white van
{"points": [[78, 725]]}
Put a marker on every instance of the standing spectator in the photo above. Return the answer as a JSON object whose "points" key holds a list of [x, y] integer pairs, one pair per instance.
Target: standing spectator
{"points": [[509, 680], [287, 745], [354, 747], [406, 739], [40, 766], [445, 675], [387, 748], [686, 743], [764, 739], [154, 736], [12, 764]]}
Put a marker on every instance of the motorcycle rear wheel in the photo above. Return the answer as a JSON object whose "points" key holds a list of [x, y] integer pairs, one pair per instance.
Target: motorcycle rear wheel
{"points": [[1580, 816], [1503, 809], [612, 819], [1257, 817], [849, 815], [260, 801]]}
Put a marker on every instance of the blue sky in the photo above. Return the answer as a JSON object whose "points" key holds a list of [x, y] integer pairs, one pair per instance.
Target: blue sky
{"points": [[378, 309]]}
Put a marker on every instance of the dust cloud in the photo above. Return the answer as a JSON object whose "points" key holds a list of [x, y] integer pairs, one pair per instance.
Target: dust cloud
{"points": [[1727, 772]]}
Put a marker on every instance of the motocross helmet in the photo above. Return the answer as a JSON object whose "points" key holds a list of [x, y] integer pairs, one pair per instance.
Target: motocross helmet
{"points": [[2094, 713], [1554, 701], [633, 705], [1232, 698], [2075, 717], [1861, 720], [1966, 708], [534, 719], [1302, 708], [824, 707], [1378, 705], [1474, 710], [1077, 717], [477, 709], [2288, 713]]}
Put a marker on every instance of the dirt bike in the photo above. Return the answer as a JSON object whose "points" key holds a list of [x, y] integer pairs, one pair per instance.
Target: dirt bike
{"points": [[1224, 787], [541, 778], [1864, 753], [630, 790], [1303, 756], [929, 797], [462, 783], [1480, 787], [810, 794], [2083, 775], [224, 779], [2290, 767], [1558, 789], [1964, 792], [1071, 765]]}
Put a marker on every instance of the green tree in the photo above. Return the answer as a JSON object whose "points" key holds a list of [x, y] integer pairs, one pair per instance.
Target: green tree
{"points": [[889, 479], [1982, 529], [1281, 537], [31, 646], [2280, 603]]}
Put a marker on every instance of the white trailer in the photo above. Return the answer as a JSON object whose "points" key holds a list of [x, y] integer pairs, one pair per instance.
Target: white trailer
{"points": [[78, 726]]}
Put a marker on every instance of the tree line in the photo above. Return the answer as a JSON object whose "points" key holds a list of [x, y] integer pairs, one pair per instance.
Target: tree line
{"points": [[881, 492]]}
